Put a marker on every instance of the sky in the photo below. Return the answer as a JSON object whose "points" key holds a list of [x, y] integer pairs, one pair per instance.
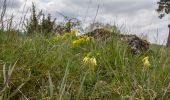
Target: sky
{"points": [[131, 16]]}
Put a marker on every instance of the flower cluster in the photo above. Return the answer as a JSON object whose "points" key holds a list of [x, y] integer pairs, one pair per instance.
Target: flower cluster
{"points": [[71, 34], [74, 40], [146, 62], [91, 62], [81, 40], [65, 36]]}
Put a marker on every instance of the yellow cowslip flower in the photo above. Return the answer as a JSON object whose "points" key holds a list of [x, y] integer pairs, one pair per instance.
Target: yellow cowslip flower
{"points": [[65, 36], [91, 62], [77, 42], [87, 38], [72, 33], [85, 60], [146, 62], [81, 40]]}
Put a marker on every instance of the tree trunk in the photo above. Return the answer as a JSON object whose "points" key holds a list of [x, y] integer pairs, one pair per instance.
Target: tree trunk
{"points": [[168, 41]]}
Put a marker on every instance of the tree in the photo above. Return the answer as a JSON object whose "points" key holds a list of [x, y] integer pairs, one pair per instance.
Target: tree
{"points": [[168, 41], [32, 26], [164, 9], [40, 24], [68, 25], [47, 25]]}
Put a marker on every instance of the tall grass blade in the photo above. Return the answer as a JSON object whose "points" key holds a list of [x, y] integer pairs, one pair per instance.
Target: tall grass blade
{"points": [[51, 87], [63, 85]]}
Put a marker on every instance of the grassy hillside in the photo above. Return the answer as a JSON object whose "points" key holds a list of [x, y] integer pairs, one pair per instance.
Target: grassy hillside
{"points": [[74, 67]]}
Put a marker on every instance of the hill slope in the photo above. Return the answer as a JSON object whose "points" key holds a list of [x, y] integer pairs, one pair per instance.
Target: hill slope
{"points": [[80, 67]]}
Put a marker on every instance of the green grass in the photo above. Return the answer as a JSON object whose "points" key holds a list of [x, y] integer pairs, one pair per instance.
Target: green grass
{"points": [[45, 68]]}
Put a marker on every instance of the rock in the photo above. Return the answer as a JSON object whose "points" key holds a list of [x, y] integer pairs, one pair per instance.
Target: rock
{"points": [[135, 44], [100, 34]]}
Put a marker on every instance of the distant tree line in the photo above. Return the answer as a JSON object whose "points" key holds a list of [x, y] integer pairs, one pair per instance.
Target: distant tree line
{"points": [[39, 23], [45, 25]]}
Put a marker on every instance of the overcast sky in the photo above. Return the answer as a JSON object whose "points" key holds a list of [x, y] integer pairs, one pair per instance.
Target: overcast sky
{"points": [[132, 16]]}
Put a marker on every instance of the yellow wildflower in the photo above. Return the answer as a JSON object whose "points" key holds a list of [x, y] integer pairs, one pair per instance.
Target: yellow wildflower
{"points": [[146, 62], [72, 33], [91, 62], [85, 60], [81, 40], [65, 36], [76, 42]]}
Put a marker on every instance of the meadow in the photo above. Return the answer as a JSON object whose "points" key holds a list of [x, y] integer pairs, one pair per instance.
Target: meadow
{"points": [[80, 68]]}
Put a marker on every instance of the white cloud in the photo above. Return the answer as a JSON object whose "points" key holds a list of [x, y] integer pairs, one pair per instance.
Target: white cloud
{"points": [[136, 16]]}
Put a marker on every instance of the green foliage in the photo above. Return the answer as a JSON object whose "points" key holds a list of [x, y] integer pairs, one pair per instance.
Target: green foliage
{"points": [[51, 68], [67, 25], [163, 7], [40, 24], [41, 67], [32, 26], [47, 26]]}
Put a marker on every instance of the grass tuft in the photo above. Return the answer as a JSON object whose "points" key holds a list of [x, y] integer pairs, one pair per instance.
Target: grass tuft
{"points": [[39, 67]]}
